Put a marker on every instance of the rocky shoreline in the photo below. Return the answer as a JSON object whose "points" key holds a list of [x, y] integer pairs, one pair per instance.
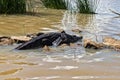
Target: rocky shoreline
{"points": [[108, 42], [44, 40]]}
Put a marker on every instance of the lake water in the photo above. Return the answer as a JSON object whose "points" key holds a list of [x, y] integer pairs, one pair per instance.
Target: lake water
{"points": [[62, 63]]}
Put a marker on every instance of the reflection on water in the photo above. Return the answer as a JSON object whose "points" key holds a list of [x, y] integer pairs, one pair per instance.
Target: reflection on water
{"points": [[63, 63], [85, 20], [69, 21]]}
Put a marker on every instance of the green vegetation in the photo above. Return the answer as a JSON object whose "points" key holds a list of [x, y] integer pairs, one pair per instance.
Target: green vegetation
{"points": [[12, 6], [88, 6], [55, 4], [19, 6], [30, 6], [85, 6]]}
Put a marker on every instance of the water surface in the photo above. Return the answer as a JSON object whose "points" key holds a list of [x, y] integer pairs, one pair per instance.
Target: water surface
{"points": [[62, 63]]}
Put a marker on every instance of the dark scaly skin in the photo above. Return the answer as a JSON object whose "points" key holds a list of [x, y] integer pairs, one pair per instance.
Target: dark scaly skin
{"points": [[48, 39]]}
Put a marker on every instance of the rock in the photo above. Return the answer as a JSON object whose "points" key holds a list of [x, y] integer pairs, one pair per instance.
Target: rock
{"points": [[6, 40], [46, 48], [63, 47], [72, 45], [49, 39], [31, 35], [1, 37], [20, 39], [108, 42], [111, 42], [91, 44], [77, 30], [34, 35]]}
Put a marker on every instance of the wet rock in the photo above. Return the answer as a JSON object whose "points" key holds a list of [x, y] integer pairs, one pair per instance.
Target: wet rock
{"points": [[63, 45], [112, 43], [72, 45], [108, 42], [20, 39], [31, 35], [91, 44], [6, 40], [49, 39], [1, 37], [34, 35], [46, 48], [77, 30]]}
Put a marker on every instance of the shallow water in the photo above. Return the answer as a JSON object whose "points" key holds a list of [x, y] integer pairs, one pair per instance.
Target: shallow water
{"points": [[62, 63]]}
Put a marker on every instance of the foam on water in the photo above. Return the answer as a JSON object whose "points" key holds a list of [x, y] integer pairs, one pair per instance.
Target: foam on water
{"points": [[64, 67], [85, 77], [44, 78], [50, 59]]}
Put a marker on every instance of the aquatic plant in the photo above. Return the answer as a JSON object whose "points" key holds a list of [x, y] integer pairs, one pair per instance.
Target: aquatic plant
{"points": [[84, 6], [12, 6], [55, 4], [30, 6], [88, 6]]}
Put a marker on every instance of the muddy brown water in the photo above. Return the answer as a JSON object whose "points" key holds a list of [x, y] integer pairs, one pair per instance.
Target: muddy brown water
{"points": [[62, 63]]}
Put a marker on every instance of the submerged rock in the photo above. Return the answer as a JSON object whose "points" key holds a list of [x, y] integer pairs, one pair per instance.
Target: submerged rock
{"points": [[49, 39], [34, 35], [46, 48], [108, 42], [6, 40], [76, 30], [112, 43], [20, 39], [91, 44]]}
